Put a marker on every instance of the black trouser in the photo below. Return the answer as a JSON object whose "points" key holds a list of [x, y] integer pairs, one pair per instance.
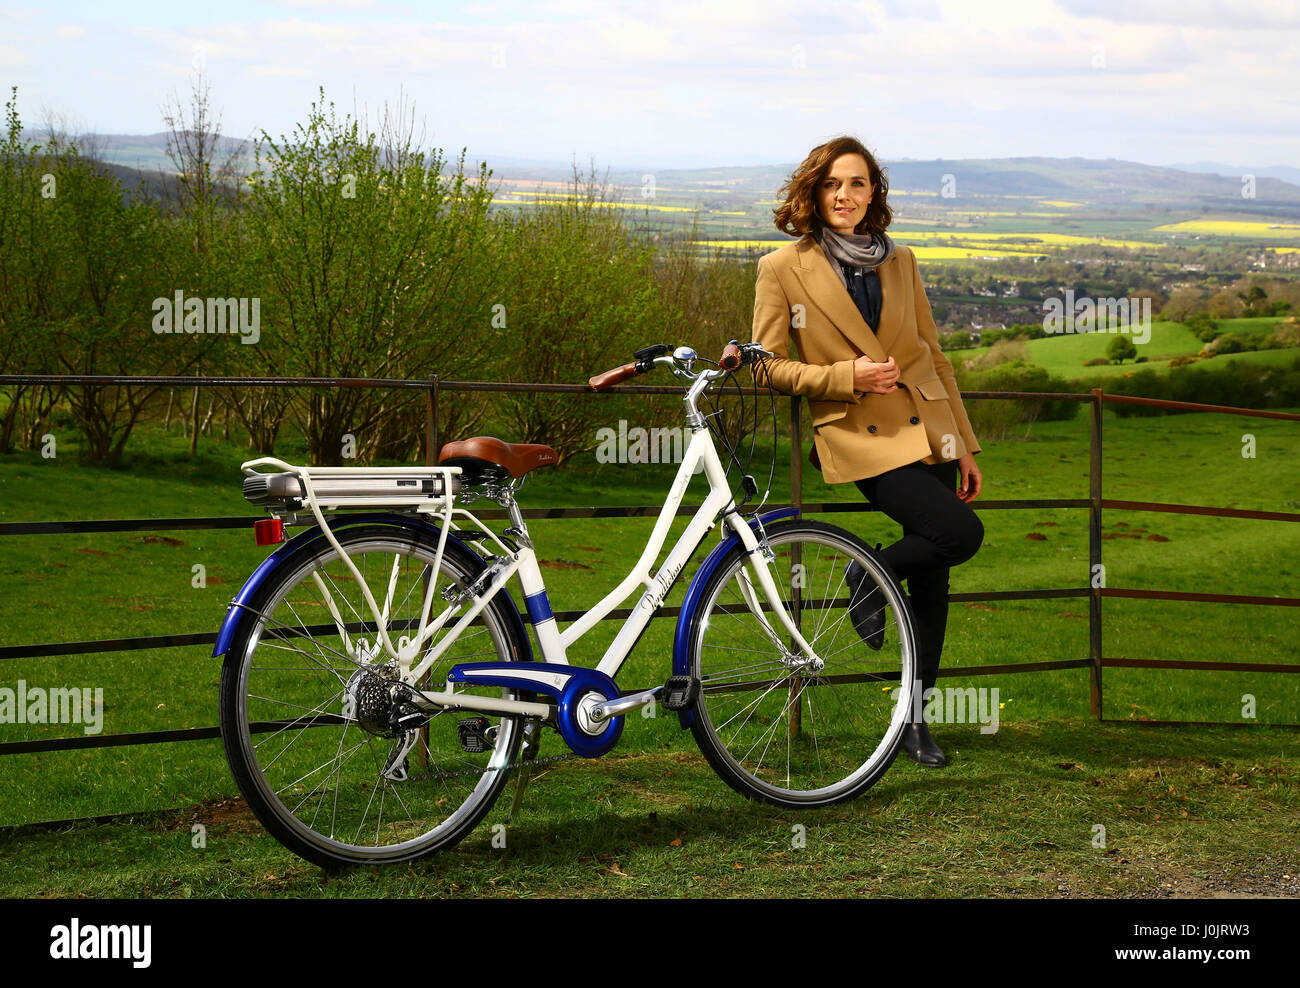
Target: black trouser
{"points": [[940, 530]]}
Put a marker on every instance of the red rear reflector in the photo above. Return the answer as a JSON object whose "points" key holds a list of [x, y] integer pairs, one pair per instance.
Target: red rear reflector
{"points": [[269, 531]]}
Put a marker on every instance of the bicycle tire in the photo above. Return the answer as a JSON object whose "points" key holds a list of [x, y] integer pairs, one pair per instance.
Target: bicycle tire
{"points": [[841, 726], [442, 803]]}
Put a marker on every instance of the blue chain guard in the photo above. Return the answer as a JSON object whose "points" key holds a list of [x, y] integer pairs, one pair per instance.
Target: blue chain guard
{"points": [[566, 684]]}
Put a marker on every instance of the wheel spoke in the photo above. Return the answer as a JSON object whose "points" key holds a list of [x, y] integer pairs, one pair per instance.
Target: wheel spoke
{"points": [[328, 801], [840, 726]]}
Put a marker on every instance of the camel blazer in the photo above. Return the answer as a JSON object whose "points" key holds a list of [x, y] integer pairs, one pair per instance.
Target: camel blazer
{"points": [[799, 298]]}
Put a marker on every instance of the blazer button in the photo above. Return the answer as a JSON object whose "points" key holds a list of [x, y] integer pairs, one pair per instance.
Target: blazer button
{"points": [[871, 428], [914, 420]]}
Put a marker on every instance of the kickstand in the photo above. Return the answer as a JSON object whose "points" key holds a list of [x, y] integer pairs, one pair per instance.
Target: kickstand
{"points": [[524, 767]]}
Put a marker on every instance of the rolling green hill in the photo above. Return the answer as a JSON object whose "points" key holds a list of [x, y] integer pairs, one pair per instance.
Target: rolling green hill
{"points": [[1065, 355]]}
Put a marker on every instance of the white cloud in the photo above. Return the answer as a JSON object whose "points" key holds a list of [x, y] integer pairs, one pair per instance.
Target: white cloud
{"points": [[716, 78], [328, 4], [1213, 14]]}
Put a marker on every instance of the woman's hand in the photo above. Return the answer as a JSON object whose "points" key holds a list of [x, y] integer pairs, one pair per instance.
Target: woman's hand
{"points": [[971, 478], [874, 378]]}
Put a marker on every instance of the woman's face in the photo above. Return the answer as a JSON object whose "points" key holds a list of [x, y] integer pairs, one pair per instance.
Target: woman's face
{"points": [[844, 192]]}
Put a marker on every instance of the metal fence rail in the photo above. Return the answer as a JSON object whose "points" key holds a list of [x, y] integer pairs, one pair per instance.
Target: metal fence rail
{"points": [[433, 387]]}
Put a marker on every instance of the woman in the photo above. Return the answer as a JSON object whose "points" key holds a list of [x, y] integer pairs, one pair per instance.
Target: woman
{"points": [[885, 407]]}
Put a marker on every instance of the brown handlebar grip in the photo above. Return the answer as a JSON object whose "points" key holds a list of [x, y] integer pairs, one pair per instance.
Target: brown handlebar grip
{"points": [[611, 377], [730, 358]]}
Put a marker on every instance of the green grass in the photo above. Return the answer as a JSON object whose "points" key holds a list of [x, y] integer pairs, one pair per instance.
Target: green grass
{"points": [[1190, 813], [1250, 325], [1004, 819]]}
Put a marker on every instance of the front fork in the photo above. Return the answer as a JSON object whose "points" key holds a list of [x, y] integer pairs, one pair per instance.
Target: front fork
{"points": [[800, 655]]}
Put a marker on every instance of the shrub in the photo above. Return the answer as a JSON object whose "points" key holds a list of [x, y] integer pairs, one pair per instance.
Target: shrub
{"points": [[1237, 343], [1121, 348], [1242, 386], [1287, 332], [1004, 351], [1202, 325], [582, 297], [997, 417]]}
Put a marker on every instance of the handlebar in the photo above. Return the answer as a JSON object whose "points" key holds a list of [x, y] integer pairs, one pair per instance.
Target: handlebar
{"points": [[616, 376], [734, 355]]}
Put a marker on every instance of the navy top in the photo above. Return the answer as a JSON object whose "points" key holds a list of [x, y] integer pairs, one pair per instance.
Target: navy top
{"points": [[865, 290]]}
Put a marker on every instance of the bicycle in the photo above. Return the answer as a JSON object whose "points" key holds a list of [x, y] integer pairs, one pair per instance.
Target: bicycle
{"points": [[362, 727]]}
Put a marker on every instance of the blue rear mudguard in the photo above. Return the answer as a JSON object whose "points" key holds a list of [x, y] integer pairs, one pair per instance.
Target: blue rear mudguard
{"points": [[695, 591], [239, 608]]}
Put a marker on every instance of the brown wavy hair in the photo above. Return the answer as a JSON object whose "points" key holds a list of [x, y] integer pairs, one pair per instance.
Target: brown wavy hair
{"points": [[797, 214]]}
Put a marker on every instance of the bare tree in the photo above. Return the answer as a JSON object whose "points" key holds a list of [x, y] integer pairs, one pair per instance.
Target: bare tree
{"points": [[206, 164]]}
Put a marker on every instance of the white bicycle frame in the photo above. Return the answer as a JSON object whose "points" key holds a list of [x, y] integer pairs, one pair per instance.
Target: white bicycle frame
{"points": [[655, 583]]}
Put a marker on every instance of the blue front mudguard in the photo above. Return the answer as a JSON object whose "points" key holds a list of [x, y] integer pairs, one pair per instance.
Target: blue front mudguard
{"points": [[694, 593]]}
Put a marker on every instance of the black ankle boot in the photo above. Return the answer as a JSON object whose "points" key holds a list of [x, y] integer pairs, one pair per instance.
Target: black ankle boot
{"points": [[920, 747], [867, 615]]}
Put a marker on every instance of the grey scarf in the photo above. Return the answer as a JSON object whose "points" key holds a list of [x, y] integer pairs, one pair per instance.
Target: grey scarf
{"points": [[866, 251]]}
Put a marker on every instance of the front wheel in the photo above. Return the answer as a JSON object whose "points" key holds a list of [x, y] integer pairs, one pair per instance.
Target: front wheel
{"points": [[776, 725]]}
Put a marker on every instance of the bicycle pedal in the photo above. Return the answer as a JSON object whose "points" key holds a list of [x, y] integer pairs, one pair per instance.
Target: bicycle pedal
{"points": [[680, 693], [473, 735]]}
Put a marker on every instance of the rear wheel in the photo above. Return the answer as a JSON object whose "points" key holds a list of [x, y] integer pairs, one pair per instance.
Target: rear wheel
{"points": [[307, 695], [775, 726]]}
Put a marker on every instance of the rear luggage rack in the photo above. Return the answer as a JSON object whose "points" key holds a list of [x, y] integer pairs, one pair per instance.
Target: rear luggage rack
{"points": [[348, 487]]}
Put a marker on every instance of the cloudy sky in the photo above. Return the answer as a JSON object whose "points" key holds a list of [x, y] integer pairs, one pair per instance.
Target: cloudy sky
{"points": [[697, 81]]}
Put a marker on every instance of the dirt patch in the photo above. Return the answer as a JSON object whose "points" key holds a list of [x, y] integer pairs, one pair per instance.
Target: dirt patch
{"points": [[1142, 876], [226, 814], [1265, 880], [1037, 536], [562, 564], [157, 539]]}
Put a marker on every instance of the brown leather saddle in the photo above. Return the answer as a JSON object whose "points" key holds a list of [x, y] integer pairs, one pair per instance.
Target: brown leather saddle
{"points": [[484, 458]]}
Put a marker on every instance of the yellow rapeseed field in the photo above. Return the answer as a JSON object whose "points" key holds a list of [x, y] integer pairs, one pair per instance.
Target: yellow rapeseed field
{"points": [[1234, 228], [1028, 239], [967, 253]]}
